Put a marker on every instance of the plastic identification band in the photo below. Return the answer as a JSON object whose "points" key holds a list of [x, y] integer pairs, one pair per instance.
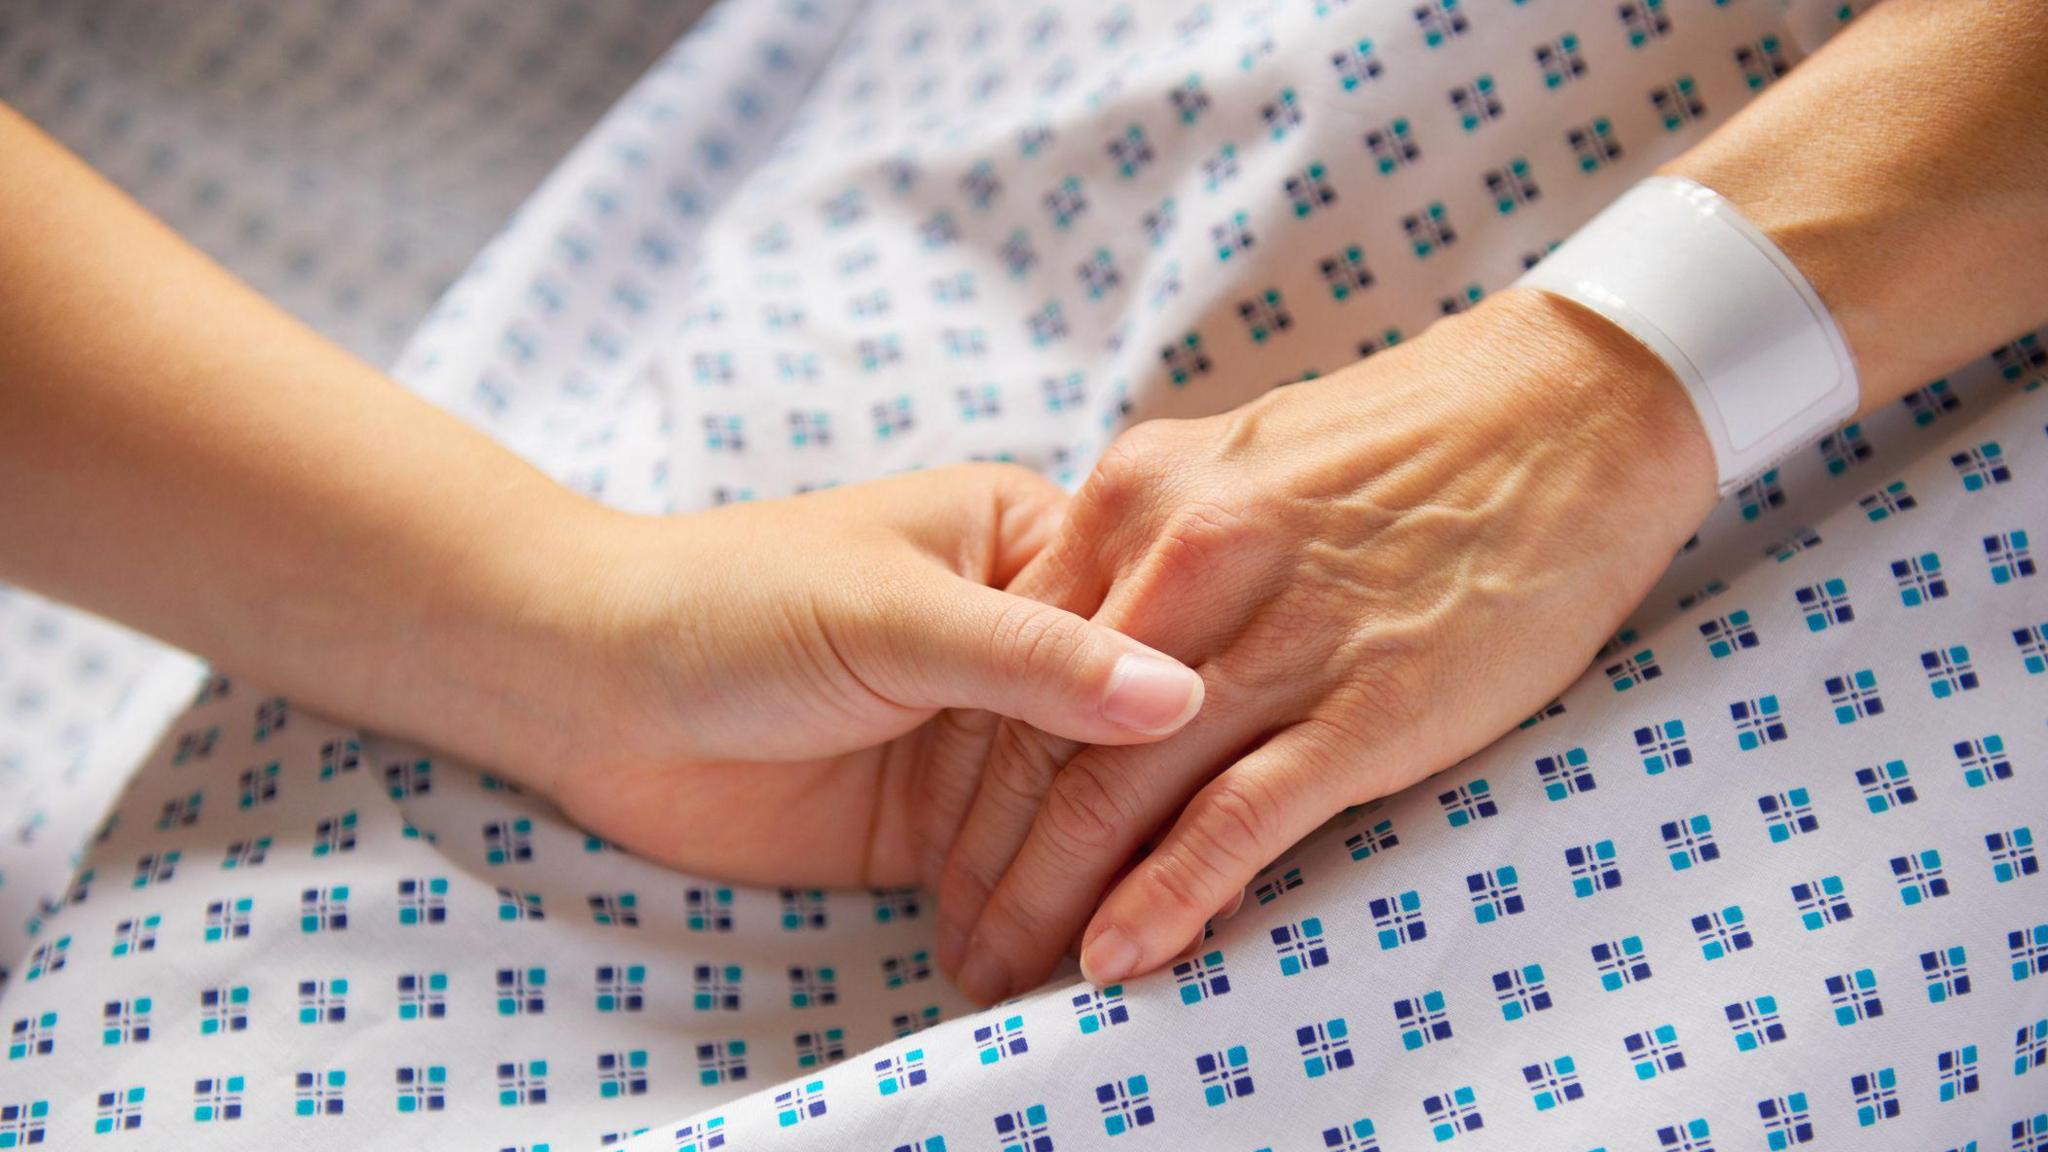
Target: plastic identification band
{"points": [[1683, 272]]}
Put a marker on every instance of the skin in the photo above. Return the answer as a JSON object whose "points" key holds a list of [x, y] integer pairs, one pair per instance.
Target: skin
{"points": [[179, 455], [1379, 572]]}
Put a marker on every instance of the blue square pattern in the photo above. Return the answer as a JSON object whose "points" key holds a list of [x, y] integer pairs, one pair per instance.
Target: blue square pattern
{"points": [[1621, 962], [1125, 1104], [1565, 774], [1001, 1039], [1853, 997], [1371, 841], [1877, 1096], [1957, 1070], [1300, 946], [1854, 696], [1981, 467], [1727, 635], [1689, 842], [1757, 722], [1949, 670], [2009, 555], [1787, 1121], [1268, 891], [1468, 803], [1450, 1114], [1722, 932], [2012, 854], [1593, 868], [121, 1111], [1357, 1136], [1825, 604], [1983, 760], [2030, 1047], [2032, 641], [799, 1104], [1884, 503], [1920, 876], [213, 1098], [318, 1093], [1026, 1130], [1629, 671], [1654, 1051], [1495, 894], [2029, 948], [1201, 977], [1225, 1075], [1920, 579], [24, 1124], [1325, 1047], [1947, 973], [1886, 786], [1821, 902], [1100, 1008], [1663, 746], [1755, 1023], [1800, 540], [1787, 814], [1521, 991], [724, 1061], [1425, 1019], [1397, 920], [1553, 1082]]}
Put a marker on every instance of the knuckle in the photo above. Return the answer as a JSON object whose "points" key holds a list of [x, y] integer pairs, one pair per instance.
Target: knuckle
{"points": [[1234, 825], [1020, 768], [963, 887], [1189, 887], [1133, 464], [1391, 680], [1010, 924], [1082, 814], [1201, 537], [1033, 639]]}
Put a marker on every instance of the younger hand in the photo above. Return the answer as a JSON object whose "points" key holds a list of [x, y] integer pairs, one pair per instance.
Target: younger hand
{"points": [[749, 691]]}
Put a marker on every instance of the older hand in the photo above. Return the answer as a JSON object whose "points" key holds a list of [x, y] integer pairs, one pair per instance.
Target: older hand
{"points": [[1376, 574]]}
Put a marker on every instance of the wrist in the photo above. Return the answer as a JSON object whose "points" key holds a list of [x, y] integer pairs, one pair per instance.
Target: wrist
{"points": [[1584, 389], [512, 655]]}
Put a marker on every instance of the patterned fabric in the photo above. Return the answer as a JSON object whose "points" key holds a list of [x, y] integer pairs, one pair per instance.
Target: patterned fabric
{"points": [[1767, 876]]}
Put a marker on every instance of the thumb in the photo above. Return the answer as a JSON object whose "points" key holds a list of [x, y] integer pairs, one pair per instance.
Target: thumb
{"points": [[983, 648]]}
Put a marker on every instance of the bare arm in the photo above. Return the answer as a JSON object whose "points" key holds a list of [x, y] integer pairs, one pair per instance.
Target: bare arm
{"points": [[1904, 168], [181, 456]]}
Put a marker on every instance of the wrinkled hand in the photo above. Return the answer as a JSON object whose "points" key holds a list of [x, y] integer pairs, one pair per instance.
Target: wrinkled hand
{"points": [[750, 692], [1375, 573]]}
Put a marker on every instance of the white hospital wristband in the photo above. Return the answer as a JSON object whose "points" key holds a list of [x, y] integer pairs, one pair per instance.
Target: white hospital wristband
{"points": [[1683, 272]]}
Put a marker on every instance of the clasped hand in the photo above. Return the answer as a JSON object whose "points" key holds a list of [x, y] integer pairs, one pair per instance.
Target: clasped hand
{"points": [[1373, 574]]}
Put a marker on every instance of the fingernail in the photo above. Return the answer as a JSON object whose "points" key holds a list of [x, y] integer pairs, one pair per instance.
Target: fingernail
{"points": [[982, 978], [951, 940], [1109, 957], [1151, 694]]}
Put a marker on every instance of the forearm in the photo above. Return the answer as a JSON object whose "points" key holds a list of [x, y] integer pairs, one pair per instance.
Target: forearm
{"points": [[1904, 169], [179, 455]]}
